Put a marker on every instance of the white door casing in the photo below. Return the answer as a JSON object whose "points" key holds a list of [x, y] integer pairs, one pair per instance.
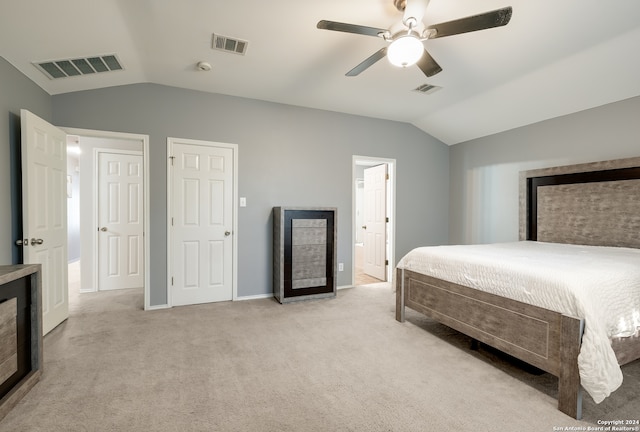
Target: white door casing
{"points": [[375, 220], [120, 220], [201, 221], [44, 208]]}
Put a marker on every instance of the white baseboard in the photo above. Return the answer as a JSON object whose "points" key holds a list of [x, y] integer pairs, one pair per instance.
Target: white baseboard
{"points": [[158, 307], [243, 298], [269, 295], [255, 297]]}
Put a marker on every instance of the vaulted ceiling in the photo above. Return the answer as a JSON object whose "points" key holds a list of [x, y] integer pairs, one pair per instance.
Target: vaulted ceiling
{"points": [[553, 58]]}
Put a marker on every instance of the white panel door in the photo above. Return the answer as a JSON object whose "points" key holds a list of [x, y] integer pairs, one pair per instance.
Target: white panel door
{"points": [[202, 223], [120, 221], [375, 221], [44, 212]]}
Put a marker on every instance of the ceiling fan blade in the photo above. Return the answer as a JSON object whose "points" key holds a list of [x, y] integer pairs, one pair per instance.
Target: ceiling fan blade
{"points": [[349, 28], [368, 62], [428, 65], [496, 18]]}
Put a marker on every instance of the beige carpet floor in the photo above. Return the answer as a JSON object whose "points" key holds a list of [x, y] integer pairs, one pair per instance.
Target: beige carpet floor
{"points": [[342, 364]]}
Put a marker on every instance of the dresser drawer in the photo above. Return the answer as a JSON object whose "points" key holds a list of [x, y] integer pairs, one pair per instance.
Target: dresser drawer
{"points": [[8, 338]]}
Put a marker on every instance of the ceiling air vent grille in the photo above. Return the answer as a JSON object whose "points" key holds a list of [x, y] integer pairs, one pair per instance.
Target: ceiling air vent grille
{"points": [[427, 89], [79, 66], [230, 45]]}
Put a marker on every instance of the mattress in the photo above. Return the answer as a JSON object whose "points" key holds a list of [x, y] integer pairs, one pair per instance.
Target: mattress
{"points": [[599, 284]]}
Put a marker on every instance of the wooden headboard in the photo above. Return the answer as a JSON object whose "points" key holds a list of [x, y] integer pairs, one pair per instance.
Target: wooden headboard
{"points": [[594, 204]]}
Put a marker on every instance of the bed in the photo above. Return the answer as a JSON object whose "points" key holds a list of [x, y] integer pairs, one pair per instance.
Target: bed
{"points": [[587, 207]]}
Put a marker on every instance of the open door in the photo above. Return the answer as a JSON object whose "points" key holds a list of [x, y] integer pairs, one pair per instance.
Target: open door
{"points": [[375, 219], [44, 212]]}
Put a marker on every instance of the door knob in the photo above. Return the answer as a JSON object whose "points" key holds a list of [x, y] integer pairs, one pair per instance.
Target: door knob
{"points": [[364, 227], [103, 229], [35, 241], [22, 242], [227, 233]]}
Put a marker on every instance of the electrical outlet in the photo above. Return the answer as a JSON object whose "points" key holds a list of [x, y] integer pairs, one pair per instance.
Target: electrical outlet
{"points": [[340, 266]]}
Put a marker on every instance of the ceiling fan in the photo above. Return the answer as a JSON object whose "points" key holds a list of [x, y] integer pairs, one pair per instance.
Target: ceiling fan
{"points": [[406, 37]]}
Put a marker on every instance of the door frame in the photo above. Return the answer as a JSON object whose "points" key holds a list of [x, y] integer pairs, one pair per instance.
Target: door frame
{"points": [[96, 203], [390, 251], [144, 140], [234, 186]]}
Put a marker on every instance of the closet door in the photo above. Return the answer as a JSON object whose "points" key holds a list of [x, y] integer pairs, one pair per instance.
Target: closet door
{"points": [[202, 188]]}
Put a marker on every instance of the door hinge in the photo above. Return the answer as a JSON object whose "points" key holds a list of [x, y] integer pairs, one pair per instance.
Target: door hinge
{"points": [[386, 262], [172, 158], [171, 280], [387, 219], [387, 176], [171, 221]]}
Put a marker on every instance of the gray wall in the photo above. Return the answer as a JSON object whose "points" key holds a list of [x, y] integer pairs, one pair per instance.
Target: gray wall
{"points": [[288, 156], [296, 156], [16, 92], [484, 172]]}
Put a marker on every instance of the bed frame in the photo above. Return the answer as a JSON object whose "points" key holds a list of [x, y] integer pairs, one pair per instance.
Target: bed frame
{"points": [[593, 204]]}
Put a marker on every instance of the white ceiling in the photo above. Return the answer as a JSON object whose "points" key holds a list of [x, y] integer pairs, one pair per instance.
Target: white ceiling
{"points": [[555, 57]]}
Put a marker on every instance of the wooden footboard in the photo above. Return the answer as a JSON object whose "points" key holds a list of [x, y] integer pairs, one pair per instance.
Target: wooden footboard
{"points": [[627, 349], [540, 337]]}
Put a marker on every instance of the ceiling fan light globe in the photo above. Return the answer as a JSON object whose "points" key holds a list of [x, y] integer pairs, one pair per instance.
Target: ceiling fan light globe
{"points": [[405, 51]]}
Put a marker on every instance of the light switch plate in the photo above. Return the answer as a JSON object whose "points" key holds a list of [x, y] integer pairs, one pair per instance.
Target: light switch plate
{"points": [[243, 201]]}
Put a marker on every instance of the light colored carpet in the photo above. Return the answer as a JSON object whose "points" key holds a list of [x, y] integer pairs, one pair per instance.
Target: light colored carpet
{"points": [[342, 364]]}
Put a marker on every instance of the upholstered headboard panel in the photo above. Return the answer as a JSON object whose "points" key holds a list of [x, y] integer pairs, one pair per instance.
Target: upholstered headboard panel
{"points": [[592, 204]]}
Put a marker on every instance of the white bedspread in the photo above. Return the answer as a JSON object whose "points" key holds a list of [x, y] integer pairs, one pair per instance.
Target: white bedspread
{"points": [[599, 284]]}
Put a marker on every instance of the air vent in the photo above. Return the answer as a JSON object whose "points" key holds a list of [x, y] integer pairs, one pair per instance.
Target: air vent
{"points": [[228, 44], [427, 89], [79, 66]]}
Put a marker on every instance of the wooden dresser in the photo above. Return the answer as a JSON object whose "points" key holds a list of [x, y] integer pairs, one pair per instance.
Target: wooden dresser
{"points": [[20, 332], [304, 253]]}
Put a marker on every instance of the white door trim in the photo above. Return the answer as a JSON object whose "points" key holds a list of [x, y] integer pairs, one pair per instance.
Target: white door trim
{"points": [[391, 210], [144, 139], [234, 148]]}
